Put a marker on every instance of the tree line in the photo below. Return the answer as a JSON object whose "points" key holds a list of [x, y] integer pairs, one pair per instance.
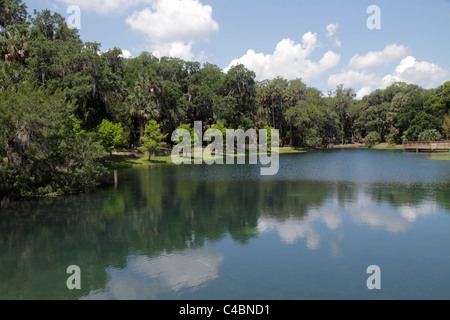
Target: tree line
{"points": [[65, 103]]}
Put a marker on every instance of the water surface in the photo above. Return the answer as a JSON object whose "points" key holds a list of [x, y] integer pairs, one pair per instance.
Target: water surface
{"points": [[225, 232]]}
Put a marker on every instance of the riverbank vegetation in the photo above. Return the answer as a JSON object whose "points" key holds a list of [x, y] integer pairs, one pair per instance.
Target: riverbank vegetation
{"points": [[66, 105]]}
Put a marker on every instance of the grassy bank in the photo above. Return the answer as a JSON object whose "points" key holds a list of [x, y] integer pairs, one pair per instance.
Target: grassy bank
{"points": [[379, 146], [387, 146], [440, 156], [122, 160]]}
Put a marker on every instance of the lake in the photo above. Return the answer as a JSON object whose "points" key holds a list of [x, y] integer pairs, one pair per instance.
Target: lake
{"points": [[225, 232]]}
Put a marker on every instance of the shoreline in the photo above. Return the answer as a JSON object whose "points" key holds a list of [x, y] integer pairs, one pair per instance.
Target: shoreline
{"points": [[127, 159]]}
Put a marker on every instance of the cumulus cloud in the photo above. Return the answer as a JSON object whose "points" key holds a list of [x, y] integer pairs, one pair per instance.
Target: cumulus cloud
{"points": [[173, 49], [292, 230], [423, 73], [173, 26], [391, 53], [126, 54], [290, 60], [151, 277], [175, 20], [331, 31], [357, 74], [353, 77]]}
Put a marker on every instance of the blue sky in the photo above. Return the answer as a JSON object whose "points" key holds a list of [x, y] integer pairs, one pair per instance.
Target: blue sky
{"points": [[324, 42]]}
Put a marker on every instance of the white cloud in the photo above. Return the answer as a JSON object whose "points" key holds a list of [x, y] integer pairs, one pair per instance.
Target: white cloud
{"points": [[423, 73], [173, 26], [126, 54], [408, 69], [166, 273], [174, 20], [292, 230], [352, 78], [363, 92], [289, 60], [391, 53], [173, 49], [331, 31]]}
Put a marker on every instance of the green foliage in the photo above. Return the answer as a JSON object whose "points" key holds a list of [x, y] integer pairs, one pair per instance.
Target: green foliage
{"points": [[11, 73], [269, 137], [111, 135], [420, 122], [12, 12], [430, 135], [316, 123], [390, 138], [446, 125], [219, 126], [43, 145], [195, 139], [142, 102], [152, 139], [14, 43], [439, 102], [372, 138], [52, 26]]}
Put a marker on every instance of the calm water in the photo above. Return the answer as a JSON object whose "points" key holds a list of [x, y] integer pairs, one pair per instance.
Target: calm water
{"points": [[225, 232]]}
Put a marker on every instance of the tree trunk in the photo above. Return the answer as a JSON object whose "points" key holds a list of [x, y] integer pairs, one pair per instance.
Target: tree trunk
{"points": [[141, 128], [273, 116], [290, 137]]}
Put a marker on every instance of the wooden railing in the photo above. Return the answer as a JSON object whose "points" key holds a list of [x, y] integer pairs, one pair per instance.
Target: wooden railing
{"points": [[426, 145]]}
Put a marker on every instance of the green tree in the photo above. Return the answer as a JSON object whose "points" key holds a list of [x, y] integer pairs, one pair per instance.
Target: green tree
{"points": [[446, 125], [45, 148], [238, 89], [439, 102], [372, 138], [52, 26], [152, 139], [14, 43], [111, 135], [12, 12], [343, 100], [11, 73], [142, 103], [194, 138], [429, 135]]}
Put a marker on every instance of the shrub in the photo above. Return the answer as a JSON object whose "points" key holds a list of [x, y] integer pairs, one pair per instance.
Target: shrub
{"points": [[372, 138], [429, 135]]}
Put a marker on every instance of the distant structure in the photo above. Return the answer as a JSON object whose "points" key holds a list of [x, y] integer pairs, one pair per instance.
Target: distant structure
{"points": [[432, 146]]}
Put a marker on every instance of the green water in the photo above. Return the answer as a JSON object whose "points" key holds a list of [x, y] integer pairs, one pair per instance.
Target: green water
{"points": [[226, 232]]}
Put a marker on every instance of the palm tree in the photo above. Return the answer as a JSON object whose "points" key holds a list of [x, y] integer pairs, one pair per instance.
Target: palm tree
{"points": [[10, 74], [14, 41], [142, 103], [446, 125], [12, 12]]}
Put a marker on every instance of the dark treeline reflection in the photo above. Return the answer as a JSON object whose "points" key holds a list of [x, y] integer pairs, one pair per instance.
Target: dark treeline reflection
{"points": [[159, 210]]}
